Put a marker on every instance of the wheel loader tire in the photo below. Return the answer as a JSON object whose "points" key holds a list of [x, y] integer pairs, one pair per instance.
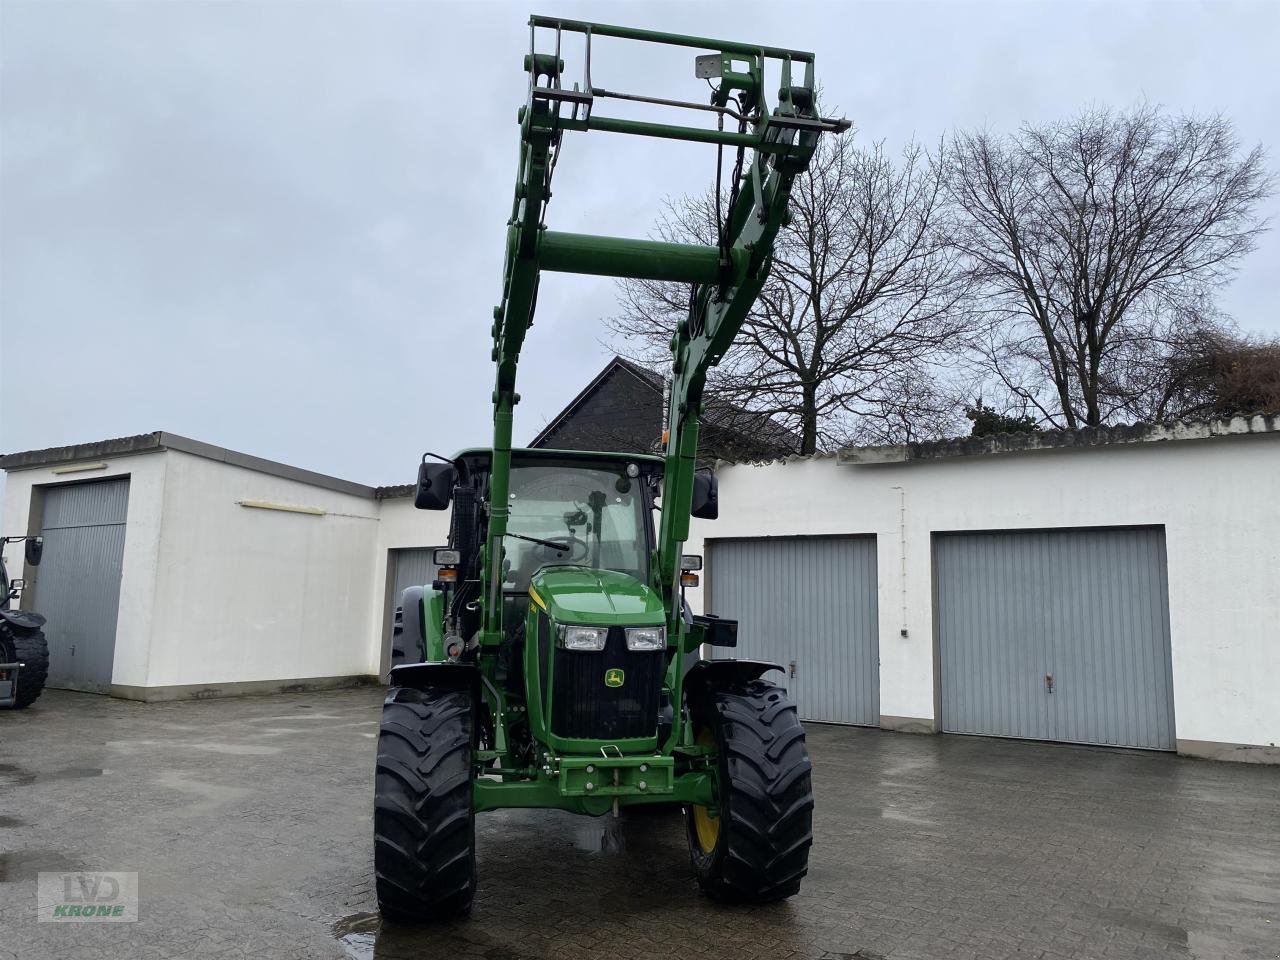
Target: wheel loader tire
{"points": [[424, 837], [30, 649], [757, 849]]}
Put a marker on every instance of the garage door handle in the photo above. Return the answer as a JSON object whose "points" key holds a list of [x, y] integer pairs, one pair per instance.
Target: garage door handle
{"points": [[791, 669], [1048, 682]]}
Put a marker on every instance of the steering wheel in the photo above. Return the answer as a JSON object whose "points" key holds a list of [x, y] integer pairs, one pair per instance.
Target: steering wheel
{"points": [[551, 555]]}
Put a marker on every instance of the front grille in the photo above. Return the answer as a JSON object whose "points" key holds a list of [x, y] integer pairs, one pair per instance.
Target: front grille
{"points": [[585, 708]]}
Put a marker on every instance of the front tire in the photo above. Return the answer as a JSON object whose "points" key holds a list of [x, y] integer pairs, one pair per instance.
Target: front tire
{"points": [[29, 648], [424, 837], [756, 849]]}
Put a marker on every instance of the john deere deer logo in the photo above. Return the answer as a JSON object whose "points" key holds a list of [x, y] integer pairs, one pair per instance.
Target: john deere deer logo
{"points": [[613, 677]]}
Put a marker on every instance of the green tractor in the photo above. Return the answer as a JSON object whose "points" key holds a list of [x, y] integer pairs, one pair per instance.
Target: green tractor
{"points": [[559, 663], [24, 653]]}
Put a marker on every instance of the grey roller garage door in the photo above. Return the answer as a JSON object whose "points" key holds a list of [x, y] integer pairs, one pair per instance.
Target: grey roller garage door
{"points": [[808, 603], [78, 581], [1056, 635], [411, 567]]}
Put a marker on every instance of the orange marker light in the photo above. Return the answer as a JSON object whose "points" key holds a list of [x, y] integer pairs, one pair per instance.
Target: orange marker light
{"points": [[688, 579]]}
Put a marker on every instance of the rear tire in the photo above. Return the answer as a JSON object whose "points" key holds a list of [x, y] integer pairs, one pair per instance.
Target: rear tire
{"points": [[757, 849], [424, 837], [30, 649]]}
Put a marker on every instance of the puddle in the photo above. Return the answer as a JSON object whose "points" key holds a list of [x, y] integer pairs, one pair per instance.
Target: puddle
{"points": [[25, 864], [358, 935], [888, 813], [21, 777], [362, 937], [236, 749], [209, 796], [231, 749], [294, 716], [16, 775], [73, 773], [9, 823], [281, 732]]}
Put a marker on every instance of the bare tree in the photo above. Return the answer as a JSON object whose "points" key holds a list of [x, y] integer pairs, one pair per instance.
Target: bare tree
{"points": [[1095, 246], [863, 297]]}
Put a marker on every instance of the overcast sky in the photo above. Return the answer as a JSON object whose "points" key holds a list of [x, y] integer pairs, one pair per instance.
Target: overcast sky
{"points": [[279, 227]]}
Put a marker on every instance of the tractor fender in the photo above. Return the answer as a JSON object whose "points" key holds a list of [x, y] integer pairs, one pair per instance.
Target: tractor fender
{"points": [[411, 621], [437, 676], [712, 674], [22, 620], [421, 620]]}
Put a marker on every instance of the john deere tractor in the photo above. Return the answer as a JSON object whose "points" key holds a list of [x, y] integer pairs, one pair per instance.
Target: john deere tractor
{"points": [[558, 664]]}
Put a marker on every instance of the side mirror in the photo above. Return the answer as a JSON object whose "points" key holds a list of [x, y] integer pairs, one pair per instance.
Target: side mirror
{"points": [[34, 550], [706, 499], [16, 586], [435, 486]]}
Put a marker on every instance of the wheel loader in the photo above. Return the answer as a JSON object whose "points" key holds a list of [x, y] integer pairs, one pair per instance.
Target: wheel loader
{"points": [[554, 661]]}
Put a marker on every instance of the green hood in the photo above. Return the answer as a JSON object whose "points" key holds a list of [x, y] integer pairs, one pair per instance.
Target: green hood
{"points": [[595, 598]]}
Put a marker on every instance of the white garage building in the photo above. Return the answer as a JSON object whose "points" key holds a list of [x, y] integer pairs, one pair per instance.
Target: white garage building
{"points": [[173, 568], [1115, 586]]}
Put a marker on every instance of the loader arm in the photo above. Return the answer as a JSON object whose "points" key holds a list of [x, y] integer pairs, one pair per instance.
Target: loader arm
{"points": [[771, 145]]}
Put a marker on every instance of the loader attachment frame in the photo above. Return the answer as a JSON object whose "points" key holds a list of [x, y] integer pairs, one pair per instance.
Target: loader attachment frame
{"points": [[724, 280]]}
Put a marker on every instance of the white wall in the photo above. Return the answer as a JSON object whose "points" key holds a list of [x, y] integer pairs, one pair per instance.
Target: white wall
{"points": [[1219, 501], [247, 594], [216, 593], [146, 473]]}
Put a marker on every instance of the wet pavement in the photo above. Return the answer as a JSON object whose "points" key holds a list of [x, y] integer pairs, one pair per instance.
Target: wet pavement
{"points": [[248, 822]]}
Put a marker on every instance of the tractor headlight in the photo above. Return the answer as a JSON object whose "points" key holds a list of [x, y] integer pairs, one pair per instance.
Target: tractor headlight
{"points": [[583, 638], [646, 638]]}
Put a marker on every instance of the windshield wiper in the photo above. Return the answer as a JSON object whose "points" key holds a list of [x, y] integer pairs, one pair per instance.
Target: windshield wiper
{"points": [[562, 547]]}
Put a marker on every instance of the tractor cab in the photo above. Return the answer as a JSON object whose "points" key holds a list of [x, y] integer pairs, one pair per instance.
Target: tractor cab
{"points": [[565, 508], [593, 511]]}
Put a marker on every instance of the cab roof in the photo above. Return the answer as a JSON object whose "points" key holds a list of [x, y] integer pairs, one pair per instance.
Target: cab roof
{"points": [[484, 453]]}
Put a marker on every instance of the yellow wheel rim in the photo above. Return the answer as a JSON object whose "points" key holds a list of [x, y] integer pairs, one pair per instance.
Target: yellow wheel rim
{"points": [[706, 824]]}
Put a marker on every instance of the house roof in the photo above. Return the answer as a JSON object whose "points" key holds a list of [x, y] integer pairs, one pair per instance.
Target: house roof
{"points": [[760, 427], [1087, 437], [647, 378]]}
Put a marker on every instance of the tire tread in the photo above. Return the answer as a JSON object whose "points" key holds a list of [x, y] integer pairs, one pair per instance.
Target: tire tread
{"points": [[32, 650], [424, 826], [767, 795]]}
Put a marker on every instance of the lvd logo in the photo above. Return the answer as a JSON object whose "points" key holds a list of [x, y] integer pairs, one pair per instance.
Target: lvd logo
{"points": [[90, 888], [112, 897]]}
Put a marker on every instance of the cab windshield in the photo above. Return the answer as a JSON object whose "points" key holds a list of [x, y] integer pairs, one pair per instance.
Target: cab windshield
{"points": [[588, 514]]}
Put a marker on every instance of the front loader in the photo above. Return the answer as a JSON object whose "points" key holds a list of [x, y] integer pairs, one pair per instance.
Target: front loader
{"points": [[557, 664]]}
